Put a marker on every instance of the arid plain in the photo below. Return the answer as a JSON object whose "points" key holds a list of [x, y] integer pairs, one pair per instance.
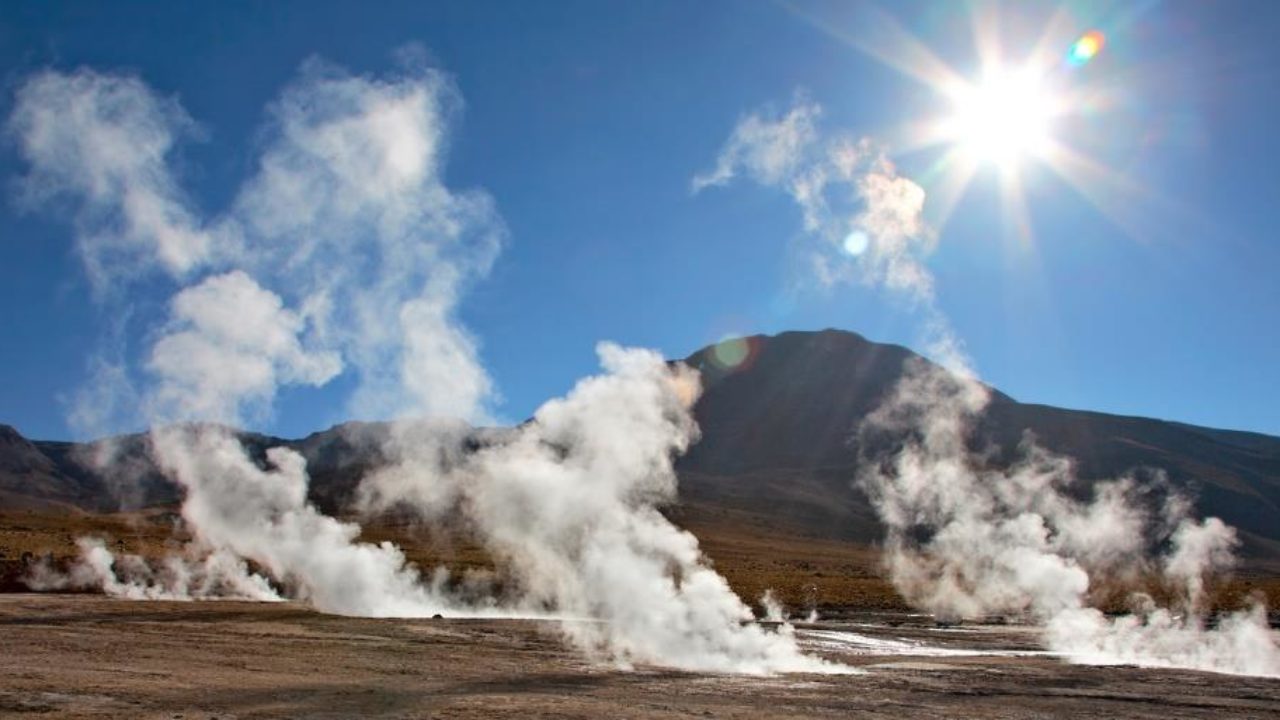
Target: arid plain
{"points": [[91, 657], [88, 656]]}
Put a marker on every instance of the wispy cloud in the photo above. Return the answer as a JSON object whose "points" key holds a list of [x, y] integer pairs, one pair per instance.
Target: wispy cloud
{"points": [[865, 219], [770, 151], [346, 222], [103, 144], [349, 210]]}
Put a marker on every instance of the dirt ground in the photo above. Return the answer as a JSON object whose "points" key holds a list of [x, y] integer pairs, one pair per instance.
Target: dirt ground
{"points": [[804, 572], [84, 656]]}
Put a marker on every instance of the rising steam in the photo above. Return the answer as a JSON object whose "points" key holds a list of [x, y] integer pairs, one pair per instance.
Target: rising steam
{"points": [[346, 254], [966, 539], [569, 503]]}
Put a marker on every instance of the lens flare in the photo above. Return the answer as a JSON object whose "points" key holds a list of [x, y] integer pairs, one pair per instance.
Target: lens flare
{"points": [[733, 353], [856, 242], [1086, 48]]}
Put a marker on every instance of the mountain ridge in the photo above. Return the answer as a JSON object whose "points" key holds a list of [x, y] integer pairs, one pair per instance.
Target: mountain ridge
{"points": [[779, 416]]}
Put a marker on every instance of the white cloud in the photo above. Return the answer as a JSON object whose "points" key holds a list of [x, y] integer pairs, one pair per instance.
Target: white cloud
{"points": [[439, 367], [108, 400], [349, 205], [104, 143], [231, 343], [347, 217], [842, 187], [770, 151], [892, 217]]}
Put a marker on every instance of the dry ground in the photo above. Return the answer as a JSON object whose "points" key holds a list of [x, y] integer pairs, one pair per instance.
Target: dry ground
{"points": [[90, 657], [828, 574]]}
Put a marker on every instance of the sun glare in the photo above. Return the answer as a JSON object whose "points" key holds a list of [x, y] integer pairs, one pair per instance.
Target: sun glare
{"points": [[1003, 119], [1025, 109]]}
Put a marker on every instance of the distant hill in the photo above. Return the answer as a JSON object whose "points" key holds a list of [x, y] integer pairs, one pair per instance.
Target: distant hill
{"points": [[777, 455], [779, 437]]}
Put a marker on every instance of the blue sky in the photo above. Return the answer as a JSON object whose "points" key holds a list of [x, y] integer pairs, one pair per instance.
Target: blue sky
{"points": [[585, 124]]}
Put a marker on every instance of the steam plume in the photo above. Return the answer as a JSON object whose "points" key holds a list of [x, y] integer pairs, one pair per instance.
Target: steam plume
{"points": [[569, 502], [966, 539], [194, 575], [351, 159], [104, 143], [344, 253]]}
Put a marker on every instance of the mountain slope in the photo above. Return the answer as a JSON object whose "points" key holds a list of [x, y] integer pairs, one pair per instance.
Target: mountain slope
{"points": [[778, 451], [779, 431]]}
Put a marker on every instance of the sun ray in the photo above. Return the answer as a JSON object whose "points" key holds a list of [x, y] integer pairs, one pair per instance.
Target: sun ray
{"points": [[946, 181], [1113, 194], [985, 26], [1013, 112], [883, 38], [916, 135], [1013, 203]]}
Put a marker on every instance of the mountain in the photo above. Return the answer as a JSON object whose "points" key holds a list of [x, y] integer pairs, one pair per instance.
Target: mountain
{"points": [[779, 450], [28, 477], [779, 432]]}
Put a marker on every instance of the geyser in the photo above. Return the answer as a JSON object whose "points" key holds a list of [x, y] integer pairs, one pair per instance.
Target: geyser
{"points": [[966, 539], [346, 254]]}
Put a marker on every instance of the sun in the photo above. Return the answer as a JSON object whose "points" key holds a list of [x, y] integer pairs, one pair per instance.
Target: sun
{"points": [[1003, 119], [1035, 102]]}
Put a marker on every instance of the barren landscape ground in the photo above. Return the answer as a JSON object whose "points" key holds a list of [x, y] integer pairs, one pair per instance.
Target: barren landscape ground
{"points": [[753, 554], [87, 656]]}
